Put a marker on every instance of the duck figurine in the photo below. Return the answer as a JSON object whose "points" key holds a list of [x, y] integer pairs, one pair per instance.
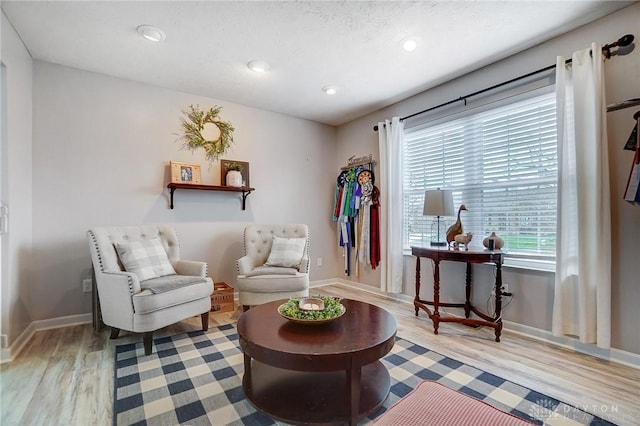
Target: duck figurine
{"points": [[456, 228]]}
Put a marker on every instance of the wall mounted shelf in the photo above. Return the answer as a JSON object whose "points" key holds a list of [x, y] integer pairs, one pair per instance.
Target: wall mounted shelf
{"points": [[244, 190]]}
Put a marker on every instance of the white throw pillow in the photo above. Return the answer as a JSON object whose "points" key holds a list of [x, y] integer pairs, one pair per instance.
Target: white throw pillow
{"points": [[286, 252], [145, 258]]}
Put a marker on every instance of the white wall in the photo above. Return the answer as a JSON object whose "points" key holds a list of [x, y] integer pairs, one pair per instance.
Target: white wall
{"points": [[534, 290], [101, 148], [16, 183]]}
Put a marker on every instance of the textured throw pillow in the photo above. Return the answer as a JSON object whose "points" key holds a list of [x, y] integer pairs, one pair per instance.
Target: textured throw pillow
{"points": [[145, 258], [286, 252]]}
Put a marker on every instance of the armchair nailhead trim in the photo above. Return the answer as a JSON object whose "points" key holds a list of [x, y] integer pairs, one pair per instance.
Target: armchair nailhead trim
{"points": [[177, 243], [308, 243], [95, 245], [130, 280]]}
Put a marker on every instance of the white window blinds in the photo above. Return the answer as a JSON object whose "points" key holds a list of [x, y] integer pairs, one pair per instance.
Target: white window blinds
{"points": [[501, 163]]}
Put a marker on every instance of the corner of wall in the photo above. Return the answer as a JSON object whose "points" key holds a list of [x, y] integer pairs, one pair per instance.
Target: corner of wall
{"points": [[16, 187]]}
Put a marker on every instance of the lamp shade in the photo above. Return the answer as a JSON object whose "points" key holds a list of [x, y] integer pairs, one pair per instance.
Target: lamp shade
{"points": [[438, 202]]}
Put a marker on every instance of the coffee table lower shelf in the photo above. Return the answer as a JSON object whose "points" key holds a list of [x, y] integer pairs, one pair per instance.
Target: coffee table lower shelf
{"points": [[318, 398]]}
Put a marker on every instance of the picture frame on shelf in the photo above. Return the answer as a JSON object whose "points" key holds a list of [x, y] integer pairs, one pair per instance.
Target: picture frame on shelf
{"points": [[227, 165], [185, 173]]}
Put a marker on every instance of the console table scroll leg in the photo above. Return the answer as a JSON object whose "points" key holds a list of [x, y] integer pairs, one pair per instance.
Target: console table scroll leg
{"points": [[417, 298], [467, 303], [436, 295], [498, 300]]}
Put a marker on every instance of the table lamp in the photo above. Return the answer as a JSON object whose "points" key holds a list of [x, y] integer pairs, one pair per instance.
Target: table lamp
{"points": [[438, 202]]}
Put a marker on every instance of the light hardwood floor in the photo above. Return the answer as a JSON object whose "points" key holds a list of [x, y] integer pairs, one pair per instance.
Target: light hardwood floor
{"points": [[65, 376]]}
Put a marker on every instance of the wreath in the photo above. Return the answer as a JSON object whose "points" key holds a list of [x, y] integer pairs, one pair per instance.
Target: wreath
{"points": [[193, 124]]}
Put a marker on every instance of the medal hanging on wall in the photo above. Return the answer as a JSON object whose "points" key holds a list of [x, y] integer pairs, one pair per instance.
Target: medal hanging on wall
{"points": [[356, 213]]}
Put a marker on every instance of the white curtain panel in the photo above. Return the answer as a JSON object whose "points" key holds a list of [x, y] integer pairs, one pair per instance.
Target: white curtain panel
{"points": [[582, 304], [390, 134]]}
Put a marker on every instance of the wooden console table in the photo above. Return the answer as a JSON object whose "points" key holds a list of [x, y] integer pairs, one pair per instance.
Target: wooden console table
{"points": [[437, 255]]}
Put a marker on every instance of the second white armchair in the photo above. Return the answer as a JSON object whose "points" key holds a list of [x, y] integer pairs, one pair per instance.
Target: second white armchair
{"points": [[275, 265]]}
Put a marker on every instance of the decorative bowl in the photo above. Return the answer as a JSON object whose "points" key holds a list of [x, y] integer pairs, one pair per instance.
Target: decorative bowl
{"points": [[298, 310]]}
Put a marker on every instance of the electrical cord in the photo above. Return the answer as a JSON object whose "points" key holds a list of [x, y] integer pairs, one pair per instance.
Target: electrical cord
{"points": [[491, 307]]}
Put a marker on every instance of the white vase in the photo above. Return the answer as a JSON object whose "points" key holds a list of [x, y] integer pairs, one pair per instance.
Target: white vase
{"points": [[493, 238], [234, 178]]}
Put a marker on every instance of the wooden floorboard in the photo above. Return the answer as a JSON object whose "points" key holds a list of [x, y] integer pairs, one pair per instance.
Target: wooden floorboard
{"points": [[65, 376]]}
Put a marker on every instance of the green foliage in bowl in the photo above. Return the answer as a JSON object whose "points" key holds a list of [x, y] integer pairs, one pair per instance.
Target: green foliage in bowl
{"points": [[332, 309]]}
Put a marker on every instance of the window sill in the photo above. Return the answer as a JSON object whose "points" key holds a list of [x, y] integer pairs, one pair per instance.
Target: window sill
{"points": [[530, 264]]}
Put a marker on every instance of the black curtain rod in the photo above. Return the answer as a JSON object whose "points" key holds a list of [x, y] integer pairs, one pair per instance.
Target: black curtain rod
{"points": [[606, 51]]}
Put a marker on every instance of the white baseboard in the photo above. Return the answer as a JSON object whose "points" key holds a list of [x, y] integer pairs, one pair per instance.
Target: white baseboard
{"points": [[320, 283], [67, 321], [9, 354], [615, 355]]}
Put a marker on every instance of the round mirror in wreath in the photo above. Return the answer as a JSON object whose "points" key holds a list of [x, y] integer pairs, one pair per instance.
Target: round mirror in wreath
{"points": [[205, 129]]}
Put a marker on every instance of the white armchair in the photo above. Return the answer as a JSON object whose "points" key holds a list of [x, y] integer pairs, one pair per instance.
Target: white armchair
{"points": [[142, 283], [275, 265]]}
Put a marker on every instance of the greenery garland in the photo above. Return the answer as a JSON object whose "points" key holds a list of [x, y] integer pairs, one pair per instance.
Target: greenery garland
{"points": [[193, 125], [332, 308]]}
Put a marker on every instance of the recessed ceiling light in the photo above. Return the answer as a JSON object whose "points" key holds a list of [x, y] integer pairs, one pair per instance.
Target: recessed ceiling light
{"points": [[151, 33], [258, 66], [330, 90], [409, 44]]}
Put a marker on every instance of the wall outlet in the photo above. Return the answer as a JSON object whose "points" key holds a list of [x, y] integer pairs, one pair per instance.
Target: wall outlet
{"points": [[86, 285], [319, 262], [4, 342], [505, 290]]}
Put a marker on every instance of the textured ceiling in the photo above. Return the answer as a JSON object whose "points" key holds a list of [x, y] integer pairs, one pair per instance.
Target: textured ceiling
{"points": [[354, 45]]}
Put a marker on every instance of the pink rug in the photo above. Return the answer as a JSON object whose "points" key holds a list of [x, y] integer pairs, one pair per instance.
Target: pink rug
{"points": [[434, 404]]}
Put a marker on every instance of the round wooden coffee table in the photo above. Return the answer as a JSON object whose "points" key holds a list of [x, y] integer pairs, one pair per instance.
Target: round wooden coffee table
{"points": [[316, 374]]}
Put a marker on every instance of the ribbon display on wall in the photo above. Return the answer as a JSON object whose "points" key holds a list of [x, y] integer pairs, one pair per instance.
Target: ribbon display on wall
{"points": [[632, 190], [356, 210]]}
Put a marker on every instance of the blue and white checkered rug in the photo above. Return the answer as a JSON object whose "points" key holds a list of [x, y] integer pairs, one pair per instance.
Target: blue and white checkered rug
{"points": [[196, 379]]}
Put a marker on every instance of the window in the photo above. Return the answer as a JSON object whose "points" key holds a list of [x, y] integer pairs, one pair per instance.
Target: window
{"points": [[501, 163]]}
